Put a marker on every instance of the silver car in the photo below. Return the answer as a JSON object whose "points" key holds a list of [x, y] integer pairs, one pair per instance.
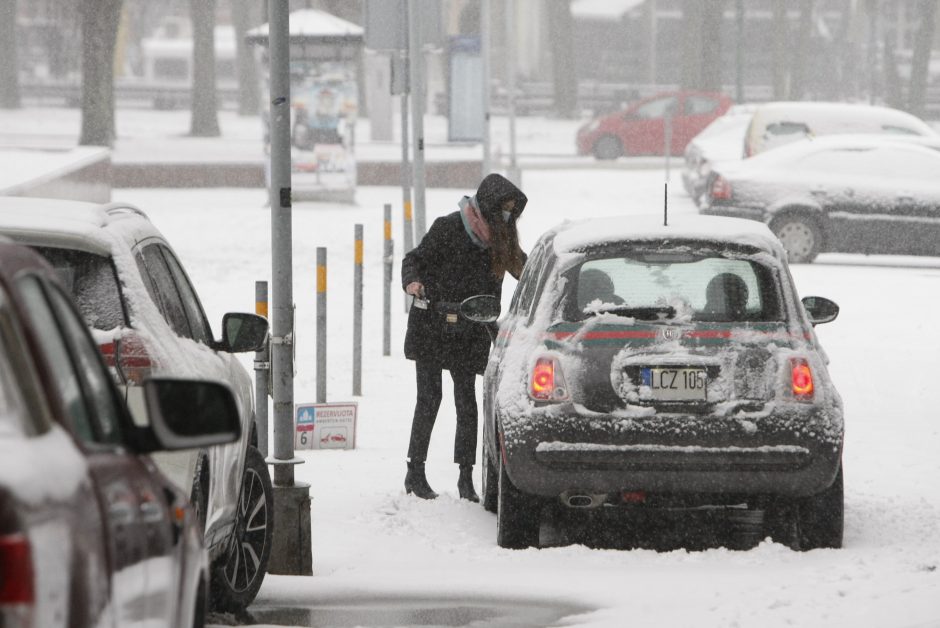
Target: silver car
{"points": [[147, 319]]}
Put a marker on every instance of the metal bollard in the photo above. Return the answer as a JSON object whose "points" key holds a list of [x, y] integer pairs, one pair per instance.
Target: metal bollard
{"points": [[321, 324], [357, 314], [408, 230], [387, 284], [262, 372]]}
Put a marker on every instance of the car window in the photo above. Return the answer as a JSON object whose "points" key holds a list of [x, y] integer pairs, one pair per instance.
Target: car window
{"points": [[11, 404], [162, 289], [56, 352], [900, 130], [655, 108], [197, 318], [699, 105], [706, 288], [97, 382], [93, 283], [786, 128], [525, 290]]}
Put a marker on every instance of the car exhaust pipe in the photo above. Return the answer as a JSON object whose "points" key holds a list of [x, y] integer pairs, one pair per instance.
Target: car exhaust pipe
{"points": [[580, 500]]}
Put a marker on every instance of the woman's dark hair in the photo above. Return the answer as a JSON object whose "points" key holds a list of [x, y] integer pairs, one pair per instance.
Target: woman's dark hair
{"points": [[506, 253]]}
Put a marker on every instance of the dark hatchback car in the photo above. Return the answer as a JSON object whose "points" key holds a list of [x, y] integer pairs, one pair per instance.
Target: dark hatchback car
{"points": [[873, 194], [661, 368], [91, 532]]}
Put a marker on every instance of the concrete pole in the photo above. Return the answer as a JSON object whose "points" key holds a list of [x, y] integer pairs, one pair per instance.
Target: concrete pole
{"points": [[405, 165], [511, 87], [485, 54], [652, 35], [282, 359], [357, 313], [387, 283], [321, 324], [739, 52], [291, 546], [262, 371], [416, 81]]}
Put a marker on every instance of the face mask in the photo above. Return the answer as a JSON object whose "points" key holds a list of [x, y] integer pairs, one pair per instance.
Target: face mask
{"points": [[506, 215]]}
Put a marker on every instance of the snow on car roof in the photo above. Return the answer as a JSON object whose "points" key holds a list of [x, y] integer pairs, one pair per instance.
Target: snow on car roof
{"points": [[55, 222], [836, 117], [575, 235]]}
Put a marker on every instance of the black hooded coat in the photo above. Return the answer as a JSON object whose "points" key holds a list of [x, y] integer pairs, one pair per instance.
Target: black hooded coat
{"points": [[452, 267]]}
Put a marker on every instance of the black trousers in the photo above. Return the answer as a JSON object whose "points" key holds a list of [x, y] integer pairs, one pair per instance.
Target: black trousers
{"points": [[429, 401]]}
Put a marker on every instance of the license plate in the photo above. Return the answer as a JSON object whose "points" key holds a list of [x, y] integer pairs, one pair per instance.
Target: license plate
{"points": [[675, 384]]}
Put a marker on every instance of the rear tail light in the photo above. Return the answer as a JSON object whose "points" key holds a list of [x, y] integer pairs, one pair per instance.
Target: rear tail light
{"points": [[127, 358], [16, 581], [721, 189], [548, 381], [801, 378]]}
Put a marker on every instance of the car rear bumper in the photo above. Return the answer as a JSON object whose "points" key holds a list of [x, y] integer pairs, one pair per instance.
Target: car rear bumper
{"points": [[795, 453]]}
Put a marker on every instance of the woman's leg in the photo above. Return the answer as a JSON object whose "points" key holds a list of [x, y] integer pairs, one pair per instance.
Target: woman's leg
{"points": [[429, 401], [465, 400]]}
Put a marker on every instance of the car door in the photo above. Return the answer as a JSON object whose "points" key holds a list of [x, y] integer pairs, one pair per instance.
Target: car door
{"points": [[90, 413], [911, 173], [644, 126]]}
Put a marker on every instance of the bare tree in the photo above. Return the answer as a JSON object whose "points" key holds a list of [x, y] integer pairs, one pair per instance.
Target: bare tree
{"points": [[920, 61], [691, 43], [100, 19], [801, 52], [712, 18], [563, 71], [9, 70], [779, 61], [243, 19], [205, 113]]}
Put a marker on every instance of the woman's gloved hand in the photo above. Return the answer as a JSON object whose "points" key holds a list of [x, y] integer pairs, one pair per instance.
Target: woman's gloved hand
{"points": [[415, 289]]}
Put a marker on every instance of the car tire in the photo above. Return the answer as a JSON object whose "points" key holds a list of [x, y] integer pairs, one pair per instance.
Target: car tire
{"points": [[517, 515], [608, 147], [490, 501], [199, 611], [821, 517], [800, 236], [238, 573]]}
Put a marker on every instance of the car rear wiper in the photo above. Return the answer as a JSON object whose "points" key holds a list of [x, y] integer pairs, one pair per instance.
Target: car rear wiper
{"points": [[646, 313]]}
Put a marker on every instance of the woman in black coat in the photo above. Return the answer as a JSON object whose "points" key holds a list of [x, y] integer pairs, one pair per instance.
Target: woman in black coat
{"points": [[465, 253]]}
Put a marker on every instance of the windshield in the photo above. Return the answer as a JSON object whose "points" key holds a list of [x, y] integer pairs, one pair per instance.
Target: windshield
{"points": [[655, 286], [92, 281]]}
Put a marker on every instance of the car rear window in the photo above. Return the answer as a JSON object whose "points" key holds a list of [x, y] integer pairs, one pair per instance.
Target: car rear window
{"points": [[93, 283], [666, 285]]}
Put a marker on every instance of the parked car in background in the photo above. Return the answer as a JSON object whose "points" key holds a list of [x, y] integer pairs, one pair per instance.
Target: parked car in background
{"points": [[720, 142], [92, 534], [843, 193], [778, 123], [147, 320], [655, 369], [641, 128]]}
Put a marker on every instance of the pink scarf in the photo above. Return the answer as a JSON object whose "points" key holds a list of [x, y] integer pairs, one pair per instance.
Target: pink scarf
{"points": [[477, 222]]}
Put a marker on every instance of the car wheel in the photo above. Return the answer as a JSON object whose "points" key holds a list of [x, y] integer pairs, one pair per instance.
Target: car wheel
{"points": [[199, 612], [800, 236], [821, 517], [608, 147], [241, 568], [490, 499], [517, 515]]}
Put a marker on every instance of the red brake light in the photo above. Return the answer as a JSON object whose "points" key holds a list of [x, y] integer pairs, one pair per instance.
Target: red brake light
{"points": [[548, 383], [721, 189], [16, 572], [127, 357], [802, 379]]}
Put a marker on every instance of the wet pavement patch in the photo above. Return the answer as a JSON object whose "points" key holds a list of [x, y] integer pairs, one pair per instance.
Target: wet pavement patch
{"points": [[406, 612]]}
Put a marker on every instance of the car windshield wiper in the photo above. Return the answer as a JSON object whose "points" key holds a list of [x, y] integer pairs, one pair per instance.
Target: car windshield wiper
{"points": [[647, 313]]}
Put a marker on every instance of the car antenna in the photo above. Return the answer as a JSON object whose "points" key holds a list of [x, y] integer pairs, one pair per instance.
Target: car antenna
{"points": [[666, 204]]}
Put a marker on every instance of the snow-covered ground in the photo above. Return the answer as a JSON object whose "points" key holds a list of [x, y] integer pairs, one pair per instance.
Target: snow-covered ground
{"points": [[371, 541]]}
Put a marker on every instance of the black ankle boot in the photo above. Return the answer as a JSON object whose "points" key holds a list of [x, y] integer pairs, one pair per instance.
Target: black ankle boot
{"points": [[465, 484], [417, 483]]}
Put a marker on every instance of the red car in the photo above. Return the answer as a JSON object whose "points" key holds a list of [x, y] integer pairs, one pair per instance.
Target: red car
{"points": [[640, 129]]}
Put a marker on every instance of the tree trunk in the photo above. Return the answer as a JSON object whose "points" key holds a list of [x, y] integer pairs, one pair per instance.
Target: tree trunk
{"points": [[712, 19], [563, 71], [779, 49], [100, 19], [920, 62], [801, 52], [9, 68], [205, 114], [243, 19], [894, 95], [691, 44]]}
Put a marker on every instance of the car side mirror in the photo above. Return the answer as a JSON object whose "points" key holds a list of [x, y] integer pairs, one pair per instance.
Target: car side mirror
{"points": [[483, 308], [243, 332], [820, 310], [187, 414]]}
